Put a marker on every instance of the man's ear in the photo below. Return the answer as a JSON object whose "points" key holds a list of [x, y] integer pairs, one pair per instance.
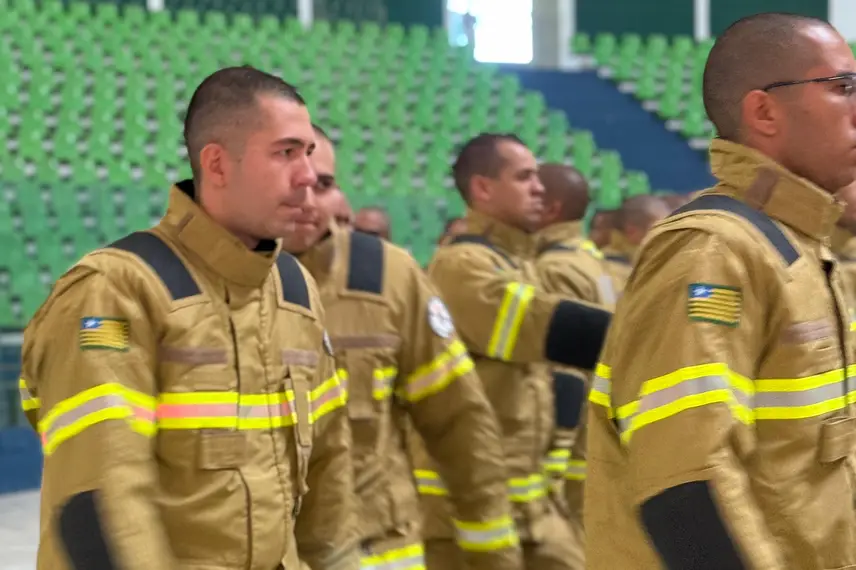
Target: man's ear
{"points": [[480, 189]]}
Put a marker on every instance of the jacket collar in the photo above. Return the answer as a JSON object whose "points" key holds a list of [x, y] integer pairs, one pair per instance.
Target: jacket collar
{"points": [[769, 187], [222, 252], [561, 232], [512, 240]]}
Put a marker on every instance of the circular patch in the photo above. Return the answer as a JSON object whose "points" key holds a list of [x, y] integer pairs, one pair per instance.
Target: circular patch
{"points": [[328, 346], [439, 318]]}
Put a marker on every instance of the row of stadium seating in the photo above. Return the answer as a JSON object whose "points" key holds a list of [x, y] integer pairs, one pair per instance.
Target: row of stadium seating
{"points": [[93, 94]]}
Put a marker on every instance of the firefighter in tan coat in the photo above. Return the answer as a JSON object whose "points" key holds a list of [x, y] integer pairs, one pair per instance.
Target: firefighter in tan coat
{"points": [[187, 407], [570, 265], [511, 327], [721, 418], [396, 344], [635, 219]]}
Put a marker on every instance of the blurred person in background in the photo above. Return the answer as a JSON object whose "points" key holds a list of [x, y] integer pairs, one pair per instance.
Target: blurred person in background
{"points": [[452, 229], [373, 220], [396, 344], [511, 328], [343, 215], [603, 223], [720, 436], [180, 378], [675, 201], [635, 219], [570, 265]]}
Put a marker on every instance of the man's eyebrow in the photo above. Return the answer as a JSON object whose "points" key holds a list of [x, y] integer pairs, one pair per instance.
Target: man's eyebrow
{"points": [[295, 141]]}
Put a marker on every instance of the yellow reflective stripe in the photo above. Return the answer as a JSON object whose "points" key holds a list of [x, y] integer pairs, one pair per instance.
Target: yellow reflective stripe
{"points": [[486, 536], [590, 247], [507, 325], [601, 387], [799, 398], [225, 410], [520, 489], [28, 401], [576, 470], [111, 401], [383, 380], [684, 389], [557, 460], [429, 483], [330, 395], [439, 373], [411, 557]]}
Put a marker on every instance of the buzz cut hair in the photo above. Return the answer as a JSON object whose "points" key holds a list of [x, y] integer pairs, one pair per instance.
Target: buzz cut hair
{"points": [[480, 156], [222, 106], [751, 53]]}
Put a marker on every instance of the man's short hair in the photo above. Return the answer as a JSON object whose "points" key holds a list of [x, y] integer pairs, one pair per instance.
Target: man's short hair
{"points": [[480, 156], [752, 53], [220, 105], [639, 211]]}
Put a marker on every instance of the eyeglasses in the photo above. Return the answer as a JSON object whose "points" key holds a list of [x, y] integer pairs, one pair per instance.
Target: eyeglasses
{"points": [[848, 77]]}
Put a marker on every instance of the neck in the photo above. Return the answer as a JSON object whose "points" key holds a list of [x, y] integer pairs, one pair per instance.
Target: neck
{"points": [[215, 209]]}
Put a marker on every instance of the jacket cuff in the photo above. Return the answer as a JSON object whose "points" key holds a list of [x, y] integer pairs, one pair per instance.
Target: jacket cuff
{"points": [[576, 334]]}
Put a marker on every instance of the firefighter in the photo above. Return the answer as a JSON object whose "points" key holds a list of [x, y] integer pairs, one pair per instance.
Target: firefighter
{"points": [[721, 420], [675, 201], [570, 265], [511, 328], [373, 220], [635, 219], [343, 215], [187, 403], [603, 223], [454, 227], [405, 366]]}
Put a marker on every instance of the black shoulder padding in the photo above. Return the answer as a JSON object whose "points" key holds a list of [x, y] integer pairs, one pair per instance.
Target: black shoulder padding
{"points": [[760, 220], [618, 259], [163, 261], [481, 240], [687, 530], [569, 396], [294, 288], [365, 266], [576, 334], [553, 246], [82, 535]]}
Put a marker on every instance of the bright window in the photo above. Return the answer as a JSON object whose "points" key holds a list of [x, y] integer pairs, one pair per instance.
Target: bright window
{"points": [[503, 29]]}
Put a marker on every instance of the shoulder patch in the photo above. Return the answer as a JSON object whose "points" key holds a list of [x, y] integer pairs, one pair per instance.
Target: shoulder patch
{"points": [[102, 333], [439, 318], [718, 304], [328, 346]]}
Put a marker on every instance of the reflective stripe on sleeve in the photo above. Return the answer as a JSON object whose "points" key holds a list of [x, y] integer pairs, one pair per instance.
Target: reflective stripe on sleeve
{"points": [[576, 470], [507, 325], [411, 557], [601, 389], [28, 401], [520, 489], [557, 461], [105, 402], [799, 398], [486, 536], [684, 389], [439, 373], [329, 396], [383, 380]]}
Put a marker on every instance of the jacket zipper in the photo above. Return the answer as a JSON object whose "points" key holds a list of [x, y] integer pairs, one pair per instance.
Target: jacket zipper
{"points": [[843, 330], [237, 365]]}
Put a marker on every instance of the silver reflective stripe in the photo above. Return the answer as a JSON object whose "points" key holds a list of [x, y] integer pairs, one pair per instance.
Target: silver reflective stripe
{"points": [[660, 398], [483, 536], [416, 384], [521, 490], [800, 398], [510, 316], [601, 384], [408, 562], [607, 291], [81, 411], [576, 470]]}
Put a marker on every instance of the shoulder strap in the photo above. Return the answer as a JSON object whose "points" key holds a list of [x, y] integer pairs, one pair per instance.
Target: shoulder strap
{"points": [[760, 220], [166, 264], [294, 289], [481, 240], [554, 246], [618, 259], [365, 265]]}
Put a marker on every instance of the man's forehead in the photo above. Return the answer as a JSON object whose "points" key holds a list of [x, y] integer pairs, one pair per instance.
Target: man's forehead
{"points": [[834, 56], [288, 118]]}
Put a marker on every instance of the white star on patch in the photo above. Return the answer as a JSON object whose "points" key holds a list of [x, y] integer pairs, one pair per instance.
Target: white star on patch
{"points": [[439, 318]]}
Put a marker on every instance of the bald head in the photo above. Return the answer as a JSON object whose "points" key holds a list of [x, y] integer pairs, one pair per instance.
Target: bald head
{"points": [[373, 220], [639, 214], [751, 54], [566, 193]]}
